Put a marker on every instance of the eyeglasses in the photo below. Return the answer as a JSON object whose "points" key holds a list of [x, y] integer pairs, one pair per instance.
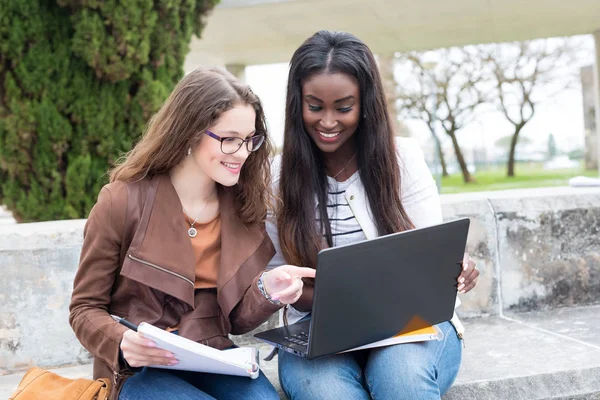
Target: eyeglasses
{"points": [[230, 145]]}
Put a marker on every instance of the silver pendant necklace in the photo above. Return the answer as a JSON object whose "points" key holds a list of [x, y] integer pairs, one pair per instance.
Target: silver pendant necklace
{"points": [[192, 232], [345, 166]]}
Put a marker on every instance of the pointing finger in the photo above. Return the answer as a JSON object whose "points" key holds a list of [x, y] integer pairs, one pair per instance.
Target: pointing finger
{"points": [[302, 272], [282, 276]]}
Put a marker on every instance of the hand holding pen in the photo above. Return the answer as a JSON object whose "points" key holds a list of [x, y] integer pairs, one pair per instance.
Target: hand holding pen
{"points": [[139, 351]]}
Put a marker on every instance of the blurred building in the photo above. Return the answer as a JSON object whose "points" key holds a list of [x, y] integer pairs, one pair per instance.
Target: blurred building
{"points": [[253, 32], [589, 117]]}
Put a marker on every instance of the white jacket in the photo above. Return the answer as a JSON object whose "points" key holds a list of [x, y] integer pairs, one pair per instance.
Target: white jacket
{"points": [[419, 197]]}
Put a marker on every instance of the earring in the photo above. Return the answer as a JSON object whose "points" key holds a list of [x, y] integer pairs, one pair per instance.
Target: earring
{"points": [[189, 151]]}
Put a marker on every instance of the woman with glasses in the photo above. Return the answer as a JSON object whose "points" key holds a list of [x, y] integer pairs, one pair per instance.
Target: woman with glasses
{"points": [[344, 178], [177, 239]]}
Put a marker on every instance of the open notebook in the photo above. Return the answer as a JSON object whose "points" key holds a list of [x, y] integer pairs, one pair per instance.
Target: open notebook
{"points": [[192, 356]]}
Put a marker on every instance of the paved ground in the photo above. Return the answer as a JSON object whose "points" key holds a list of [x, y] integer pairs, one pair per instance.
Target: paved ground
{"points": [[538, 355]]}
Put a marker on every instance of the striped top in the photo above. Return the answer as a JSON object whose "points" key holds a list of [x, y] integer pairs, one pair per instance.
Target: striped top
{"points": [[344, 225]]}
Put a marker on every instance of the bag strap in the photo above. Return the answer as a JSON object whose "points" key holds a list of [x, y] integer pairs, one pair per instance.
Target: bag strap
{"points": [[97, 390], [104, 390]]}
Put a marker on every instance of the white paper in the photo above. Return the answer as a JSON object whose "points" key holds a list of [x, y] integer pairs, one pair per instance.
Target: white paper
{"points": [[193, 356]]}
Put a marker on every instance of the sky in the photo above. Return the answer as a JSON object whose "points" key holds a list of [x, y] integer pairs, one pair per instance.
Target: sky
{"points": [[561, 115]]}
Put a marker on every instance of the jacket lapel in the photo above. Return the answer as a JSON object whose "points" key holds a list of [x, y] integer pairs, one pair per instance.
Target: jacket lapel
{"points": [[161, 254], [357, 198], [245, 251]]}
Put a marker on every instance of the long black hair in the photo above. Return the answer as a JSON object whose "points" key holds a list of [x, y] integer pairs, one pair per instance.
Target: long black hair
{"points": [[303, 174]]}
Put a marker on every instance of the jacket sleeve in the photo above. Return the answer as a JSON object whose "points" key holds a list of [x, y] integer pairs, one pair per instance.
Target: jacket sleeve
{"points": [[304, 303], [252, 310], [419, 195], [98, 266]]}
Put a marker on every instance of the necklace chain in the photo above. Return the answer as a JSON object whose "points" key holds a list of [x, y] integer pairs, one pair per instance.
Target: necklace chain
{"points": [[345, 166], [188, 217]]}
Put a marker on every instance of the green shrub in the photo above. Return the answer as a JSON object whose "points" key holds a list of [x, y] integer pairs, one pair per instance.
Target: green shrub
{"points": [[79, 80]]}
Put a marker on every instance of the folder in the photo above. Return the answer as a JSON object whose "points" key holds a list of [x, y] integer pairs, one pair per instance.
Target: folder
{"points": [[193, 356], [417, 330]]}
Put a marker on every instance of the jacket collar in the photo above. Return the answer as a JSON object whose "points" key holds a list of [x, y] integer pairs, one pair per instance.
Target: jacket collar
{"points": [[357, 199]]}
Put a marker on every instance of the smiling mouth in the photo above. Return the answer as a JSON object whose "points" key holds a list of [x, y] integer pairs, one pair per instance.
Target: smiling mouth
{"points": [[231, 165], [329, 135]]}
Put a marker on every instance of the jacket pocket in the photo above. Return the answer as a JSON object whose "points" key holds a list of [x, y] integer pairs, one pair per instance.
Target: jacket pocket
{"points": [[159, 278]]}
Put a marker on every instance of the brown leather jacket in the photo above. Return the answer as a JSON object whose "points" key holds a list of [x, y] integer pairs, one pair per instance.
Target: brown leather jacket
{"points": [[138, 263]]}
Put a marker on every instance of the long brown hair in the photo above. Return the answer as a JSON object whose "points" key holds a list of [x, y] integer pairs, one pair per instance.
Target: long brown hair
{"points": [[195, 104], [303, 174]]}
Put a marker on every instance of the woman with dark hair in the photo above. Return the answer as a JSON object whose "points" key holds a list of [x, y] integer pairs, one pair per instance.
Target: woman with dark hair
{"points": [[343, 178], [177, 239]]}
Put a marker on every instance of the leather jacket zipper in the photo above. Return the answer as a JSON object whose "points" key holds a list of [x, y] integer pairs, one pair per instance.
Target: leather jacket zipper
{"points": [[158, 267], [118, 380]]}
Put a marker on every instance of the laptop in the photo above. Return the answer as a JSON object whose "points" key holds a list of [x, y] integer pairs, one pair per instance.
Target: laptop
{"points": [[371, 290]]}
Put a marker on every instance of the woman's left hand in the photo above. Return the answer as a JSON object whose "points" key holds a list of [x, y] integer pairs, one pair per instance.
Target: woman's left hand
{"points": [[468, 277]]}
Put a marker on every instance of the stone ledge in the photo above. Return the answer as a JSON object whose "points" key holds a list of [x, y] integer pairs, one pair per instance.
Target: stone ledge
{"points": [[520, 194], [535, 248], [575, 384], [42, 236], [530, 356]]}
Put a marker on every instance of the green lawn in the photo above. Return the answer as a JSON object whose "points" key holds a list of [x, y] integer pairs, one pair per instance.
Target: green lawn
{"points": [[527, 176]]}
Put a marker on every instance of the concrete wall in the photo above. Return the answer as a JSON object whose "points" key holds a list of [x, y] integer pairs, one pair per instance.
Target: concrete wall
{"points": [[38, 262], [482, 246], [535, 248]]}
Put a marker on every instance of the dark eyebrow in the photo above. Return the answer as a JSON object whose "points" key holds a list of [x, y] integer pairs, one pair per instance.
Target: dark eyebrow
{"points": [[310, 96], [344, 99]]}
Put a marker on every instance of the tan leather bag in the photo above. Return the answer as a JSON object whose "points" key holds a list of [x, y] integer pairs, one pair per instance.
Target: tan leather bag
{"points": [[41, 384]]}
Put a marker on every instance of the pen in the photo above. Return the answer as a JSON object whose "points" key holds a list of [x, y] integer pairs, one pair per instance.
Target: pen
{"points": [[123, 321]]}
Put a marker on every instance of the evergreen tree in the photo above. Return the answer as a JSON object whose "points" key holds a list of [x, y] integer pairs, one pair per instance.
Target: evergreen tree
{"points": [[79, 79]]}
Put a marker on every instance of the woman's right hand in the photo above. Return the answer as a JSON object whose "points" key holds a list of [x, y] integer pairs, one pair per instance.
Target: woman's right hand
{"points": [[284, 283], [141, 352]]}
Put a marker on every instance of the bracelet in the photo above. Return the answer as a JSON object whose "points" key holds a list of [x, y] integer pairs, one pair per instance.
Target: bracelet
{"points": [[261, 288]]}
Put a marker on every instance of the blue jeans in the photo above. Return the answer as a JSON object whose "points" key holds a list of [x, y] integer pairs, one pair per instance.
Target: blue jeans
{"points": [[161, 384], [423, 371]]}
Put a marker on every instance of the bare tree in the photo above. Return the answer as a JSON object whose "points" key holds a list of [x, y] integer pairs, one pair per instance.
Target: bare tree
{"points": [[415, 106], [524, 75], [445, 93]]}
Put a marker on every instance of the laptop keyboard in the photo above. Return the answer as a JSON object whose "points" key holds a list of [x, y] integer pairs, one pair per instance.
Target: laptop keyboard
{"points": [[300, 339]]}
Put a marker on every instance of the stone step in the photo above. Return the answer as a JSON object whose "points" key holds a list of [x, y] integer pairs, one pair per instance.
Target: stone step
{"points": [[538, 355]]}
